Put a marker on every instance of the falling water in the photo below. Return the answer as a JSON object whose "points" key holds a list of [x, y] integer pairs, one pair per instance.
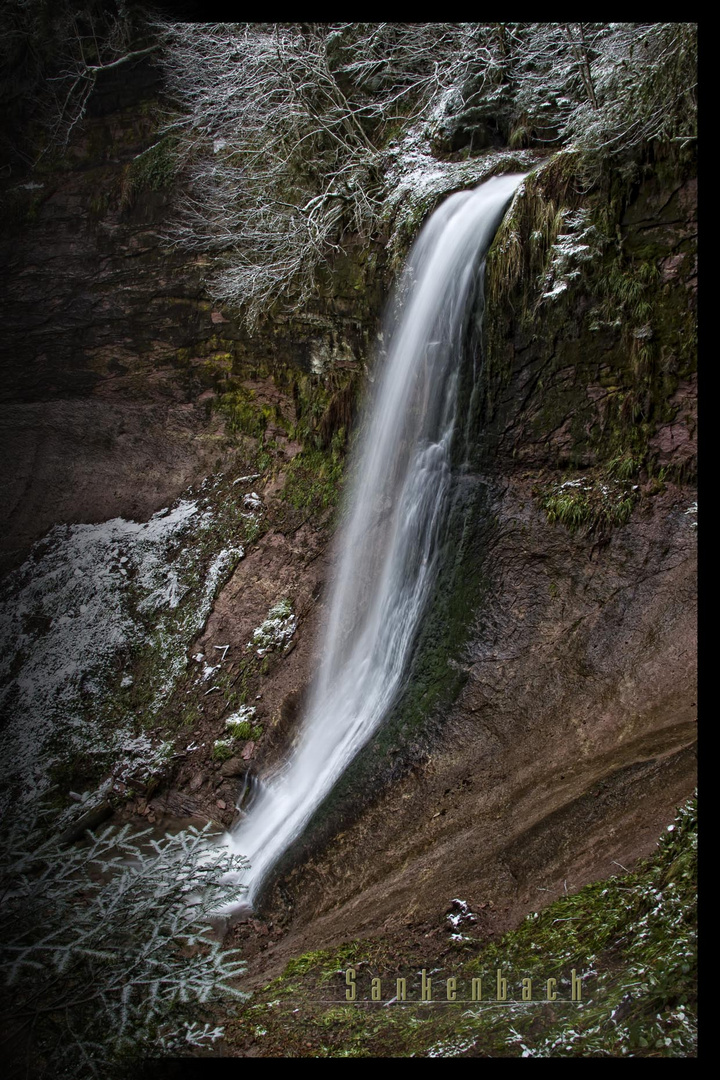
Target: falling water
{"points": [[387, 554]]}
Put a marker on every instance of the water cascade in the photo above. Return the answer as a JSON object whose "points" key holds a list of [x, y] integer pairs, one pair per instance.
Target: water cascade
{"points": [[397, 503]]}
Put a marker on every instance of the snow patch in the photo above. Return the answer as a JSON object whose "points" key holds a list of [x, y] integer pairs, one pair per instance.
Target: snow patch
{"points": [[579, 243], [276, 630], [88, 599]]}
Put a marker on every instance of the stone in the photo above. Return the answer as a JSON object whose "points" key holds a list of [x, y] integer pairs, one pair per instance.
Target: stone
{"points": [[234, 766]]}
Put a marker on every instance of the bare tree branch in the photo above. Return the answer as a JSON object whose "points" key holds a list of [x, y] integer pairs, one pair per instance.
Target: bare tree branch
{"points": [[285, 131]]}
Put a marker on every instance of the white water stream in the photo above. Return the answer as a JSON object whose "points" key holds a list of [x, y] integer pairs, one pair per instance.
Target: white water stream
{"points": [[396, 506]]}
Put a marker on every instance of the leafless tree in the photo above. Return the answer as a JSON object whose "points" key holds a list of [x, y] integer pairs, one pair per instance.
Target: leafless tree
{"points": [[285, 130], [645, 86], [606, 87], [51, 55]]}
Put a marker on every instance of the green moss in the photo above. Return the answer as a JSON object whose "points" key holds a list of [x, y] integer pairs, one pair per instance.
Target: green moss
{"points": [[324, 407], [222, 750], [240, 730], [313, 480], [595, 504], [244, 414], [324, 962], [99, 203], [657, 341], [624, 466], [631, 940], [154, 169]]}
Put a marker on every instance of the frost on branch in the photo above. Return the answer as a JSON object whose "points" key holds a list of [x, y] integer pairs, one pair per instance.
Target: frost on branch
{"points": [[294, 137], [283, 131], [107, 951], [51, 58]]}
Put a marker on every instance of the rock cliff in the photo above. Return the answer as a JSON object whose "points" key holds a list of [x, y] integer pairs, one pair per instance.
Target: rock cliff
{"points": [[547, 733]]}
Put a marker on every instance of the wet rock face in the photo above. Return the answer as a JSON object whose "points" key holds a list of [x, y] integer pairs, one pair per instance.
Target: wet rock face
{"points": [[572, 738], [565, 753], [98, 418], [113, 353], [565, 742]]}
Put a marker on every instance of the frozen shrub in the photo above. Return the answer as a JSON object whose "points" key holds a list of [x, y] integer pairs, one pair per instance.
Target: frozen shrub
{"points": [[108, 955]]}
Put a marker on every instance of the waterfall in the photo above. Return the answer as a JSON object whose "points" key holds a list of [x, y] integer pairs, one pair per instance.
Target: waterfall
{"points": [[397, 502]]}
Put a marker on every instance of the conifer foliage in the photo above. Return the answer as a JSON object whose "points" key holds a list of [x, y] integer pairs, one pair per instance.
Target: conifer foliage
{"points": [[108, 954]]}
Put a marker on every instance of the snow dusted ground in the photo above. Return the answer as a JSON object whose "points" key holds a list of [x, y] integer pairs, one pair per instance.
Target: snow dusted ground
{"points": [[416, 179], [88, 605]]}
